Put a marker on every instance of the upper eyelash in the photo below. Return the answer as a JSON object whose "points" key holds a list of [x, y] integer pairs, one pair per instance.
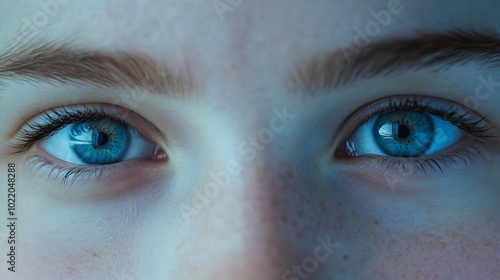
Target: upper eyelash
{"points": [[56, 120], [469, 121]]}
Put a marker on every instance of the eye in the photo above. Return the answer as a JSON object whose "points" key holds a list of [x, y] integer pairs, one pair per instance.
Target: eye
{"points": [[403, 134], [411, 127], [87, 140], [98, 142]]}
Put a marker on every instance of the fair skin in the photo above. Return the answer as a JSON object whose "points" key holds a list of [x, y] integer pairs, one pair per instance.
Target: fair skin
{"points": [[142, 221]]}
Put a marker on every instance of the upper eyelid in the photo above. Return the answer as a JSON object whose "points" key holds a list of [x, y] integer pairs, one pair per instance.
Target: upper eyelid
{"points": [[370, 109], [123, 115], [424, 104]]}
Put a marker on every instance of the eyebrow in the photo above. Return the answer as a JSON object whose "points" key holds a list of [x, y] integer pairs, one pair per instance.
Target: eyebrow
{"points": [[323, 72], [41, 61], [326, 72]]}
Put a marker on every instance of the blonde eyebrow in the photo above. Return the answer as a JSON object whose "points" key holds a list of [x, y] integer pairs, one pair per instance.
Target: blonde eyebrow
{"points": [[326, 72], [65, 64]]}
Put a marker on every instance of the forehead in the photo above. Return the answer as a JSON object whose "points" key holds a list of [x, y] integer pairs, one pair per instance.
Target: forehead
{"points": [[226, 41], [219, 26]]}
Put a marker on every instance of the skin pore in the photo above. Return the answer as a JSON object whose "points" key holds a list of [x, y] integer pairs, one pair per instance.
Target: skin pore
{"points": [[288, 208]]}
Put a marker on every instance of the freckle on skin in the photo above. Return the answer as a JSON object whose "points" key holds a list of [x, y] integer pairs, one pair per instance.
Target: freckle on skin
{"points": [[284, 218], [355, 214], [323, 206], [301, 214]]}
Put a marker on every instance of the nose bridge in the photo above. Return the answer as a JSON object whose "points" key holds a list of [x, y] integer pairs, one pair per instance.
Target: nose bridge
{"points": [[244, 224], [251, 240], [239, 239], [244, 198]]}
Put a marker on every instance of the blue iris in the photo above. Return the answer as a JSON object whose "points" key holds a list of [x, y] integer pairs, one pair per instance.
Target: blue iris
{"points": [[404, 133], [100, 142]]}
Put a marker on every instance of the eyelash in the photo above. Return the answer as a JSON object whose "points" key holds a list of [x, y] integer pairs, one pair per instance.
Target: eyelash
{"points": [[58, 119], [72, 173], [467, 120], [52, 122]]}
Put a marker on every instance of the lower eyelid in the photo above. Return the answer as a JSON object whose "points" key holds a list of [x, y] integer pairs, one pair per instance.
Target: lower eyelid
{"points": [[66, 174], [458, 158], [113, 176]]}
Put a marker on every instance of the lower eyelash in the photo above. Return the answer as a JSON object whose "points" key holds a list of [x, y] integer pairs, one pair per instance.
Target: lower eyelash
{"points": [[69, 174], [406, 167]]}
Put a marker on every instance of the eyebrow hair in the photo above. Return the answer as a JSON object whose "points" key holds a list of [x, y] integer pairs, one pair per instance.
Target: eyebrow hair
{"points": [[42, 61], [326, 72]]}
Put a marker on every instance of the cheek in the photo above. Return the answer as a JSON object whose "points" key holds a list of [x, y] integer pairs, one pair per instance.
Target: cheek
{"points": [[69, 245], [383, 237], [79, 239], [419, 251], [423, 255]]}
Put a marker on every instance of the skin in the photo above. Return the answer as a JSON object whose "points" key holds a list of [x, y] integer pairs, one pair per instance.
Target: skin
{"points": [[279, 201]]}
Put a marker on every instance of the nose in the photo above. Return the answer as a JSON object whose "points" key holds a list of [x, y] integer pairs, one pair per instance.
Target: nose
{"points": [[240, 240], [252, 213], [250, 228]]}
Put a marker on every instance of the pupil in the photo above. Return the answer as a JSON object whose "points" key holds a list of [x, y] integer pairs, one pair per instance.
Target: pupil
{"points": [[100, 139], [403, 131]]}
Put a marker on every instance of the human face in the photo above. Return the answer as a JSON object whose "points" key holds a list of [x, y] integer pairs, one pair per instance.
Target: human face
{"points": [[245, 109]]}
